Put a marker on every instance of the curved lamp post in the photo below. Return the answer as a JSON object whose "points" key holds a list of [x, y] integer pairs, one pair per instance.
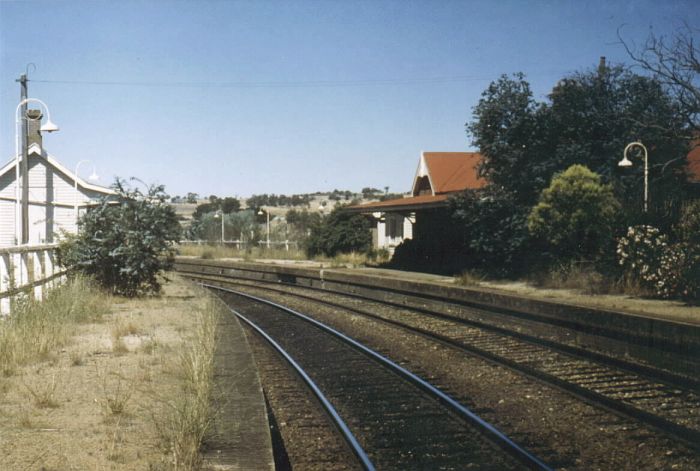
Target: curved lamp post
{"points": [[220, 214], [92, 177], [47, 127], [260, 213], [625, 162]]}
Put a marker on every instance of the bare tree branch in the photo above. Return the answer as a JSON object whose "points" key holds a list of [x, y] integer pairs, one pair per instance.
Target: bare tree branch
{"points": [[675, 62]]}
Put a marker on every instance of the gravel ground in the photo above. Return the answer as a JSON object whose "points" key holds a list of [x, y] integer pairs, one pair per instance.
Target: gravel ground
{"points": [[565, 432], [311, 441], [127, 356]]}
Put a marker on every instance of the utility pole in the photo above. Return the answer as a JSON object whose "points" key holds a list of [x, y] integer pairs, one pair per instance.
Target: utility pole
{"points": [[24, 164]]}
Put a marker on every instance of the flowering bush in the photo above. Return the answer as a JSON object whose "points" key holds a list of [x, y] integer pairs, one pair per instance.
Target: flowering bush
{"points": [[667, 270], [639, 254]]}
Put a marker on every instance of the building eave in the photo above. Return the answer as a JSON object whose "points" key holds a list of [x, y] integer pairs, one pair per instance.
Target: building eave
{"points": [[35, 149]]}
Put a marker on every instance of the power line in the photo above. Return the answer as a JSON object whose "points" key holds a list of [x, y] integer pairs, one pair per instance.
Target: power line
{"points": [[276, 84]]}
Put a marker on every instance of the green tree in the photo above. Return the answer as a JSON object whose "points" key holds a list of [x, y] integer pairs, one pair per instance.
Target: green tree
{"points": [[125, 244], [509, 128], [594, 115], [576, 215], [340, 232], [229, 204], [493, 230]]}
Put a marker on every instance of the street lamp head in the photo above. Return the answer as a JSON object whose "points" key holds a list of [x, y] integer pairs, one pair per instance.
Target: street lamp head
{"points": [[260, 212], [49, 126], [625, 162], [94, 177]]}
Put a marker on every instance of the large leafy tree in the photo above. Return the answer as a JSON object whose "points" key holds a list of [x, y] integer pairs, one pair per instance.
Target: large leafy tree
{"points": [[594, 115], [494, 231], [588, 119], [509, 129], [125, 244]]}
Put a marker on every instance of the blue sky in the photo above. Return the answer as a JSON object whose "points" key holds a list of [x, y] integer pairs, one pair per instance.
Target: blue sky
{"points": [[240, 98]]}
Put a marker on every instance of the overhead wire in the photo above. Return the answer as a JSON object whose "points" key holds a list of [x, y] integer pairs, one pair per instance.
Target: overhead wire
{"points": [[275, 84]]}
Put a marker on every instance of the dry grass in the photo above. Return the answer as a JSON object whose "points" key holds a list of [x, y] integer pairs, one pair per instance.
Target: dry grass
{"points": [[117, 391], [470, 278], [43, 392], [217, 251], [36, 329], [354, 259], [185, 419], [90, 407]]}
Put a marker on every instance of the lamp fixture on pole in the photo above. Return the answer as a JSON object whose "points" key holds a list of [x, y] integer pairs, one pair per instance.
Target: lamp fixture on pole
{"points": [[92, 177], [48, 126], [220, 214], [260, 213], [625, 162]]}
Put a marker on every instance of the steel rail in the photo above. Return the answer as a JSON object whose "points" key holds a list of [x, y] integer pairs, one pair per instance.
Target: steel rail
{"points": [[350, 439], [687, 435], [670, 378], [667, 378], [495, 435]]}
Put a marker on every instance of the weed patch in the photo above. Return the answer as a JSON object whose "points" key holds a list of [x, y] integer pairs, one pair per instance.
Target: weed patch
{"points": [[185, 420], [36, 329]]}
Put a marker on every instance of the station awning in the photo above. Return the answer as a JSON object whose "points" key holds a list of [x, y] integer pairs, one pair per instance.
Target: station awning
{"points": [[413, 203]]}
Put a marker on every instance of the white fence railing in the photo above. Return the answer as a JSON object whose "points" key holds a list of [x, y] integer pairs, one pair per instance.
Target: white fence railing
{"points": [[27, 271]]}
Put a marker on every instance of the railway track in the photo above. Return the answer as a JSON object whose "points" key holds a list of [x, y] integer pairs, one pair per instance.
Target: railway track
{"points": [[615, 385], [672, 407], [390, 418]]}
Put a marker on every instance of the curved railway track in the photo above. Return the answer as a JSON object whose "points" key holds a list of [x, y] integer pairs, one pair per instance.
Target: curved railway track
{"points": [[391, 418], [672, 407]]}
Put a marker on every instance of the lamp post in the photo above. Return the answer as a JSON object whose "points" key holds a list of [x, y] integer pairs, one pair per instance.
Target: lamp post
{"points": [[260, 213], [47, 127], [92, 177], [625, 162], [220, 214]]}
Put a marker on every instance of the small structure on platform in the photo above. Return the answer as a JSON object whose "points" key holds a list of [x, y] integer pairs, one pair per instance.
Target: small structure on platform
{"points": [[57, 197], [439, 174]]}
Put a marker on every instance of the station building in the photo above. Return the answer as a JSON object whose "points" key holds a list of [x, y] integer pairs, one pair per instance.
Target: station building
{"points": [[439, 174], [57, 197]]}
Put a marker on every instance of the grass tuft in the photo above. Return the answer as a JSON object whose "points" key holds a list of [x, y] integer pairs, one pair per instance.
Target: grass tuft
{"points": [[117, 393], [186, 419], [36, 329], [470, 278], [573, 276], [44, 393]]}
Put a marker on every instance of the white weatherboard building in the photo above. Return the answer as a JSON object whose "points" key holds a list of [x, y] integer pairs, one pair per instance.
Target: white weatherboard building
{"points": [[53, 196]]}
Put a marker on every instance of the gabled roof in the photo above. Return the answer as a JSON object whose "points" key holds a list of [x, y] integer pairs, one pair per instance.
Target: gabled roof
{"points": [[37, 150], [448, 172]]}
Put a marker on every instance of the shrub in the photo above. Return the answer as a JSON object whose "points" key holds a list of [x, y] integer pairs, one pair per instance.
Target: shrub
{"points": [[339, 232], [639, 254], [669, 270], [687, 253], [575, 215], [125, 244]]}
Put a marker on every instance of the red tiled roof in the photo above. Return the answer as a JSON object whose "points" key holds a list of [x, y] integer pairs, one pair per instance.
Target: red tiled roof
{"points": [[694, 164], [453, 171], [411, 203]]}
